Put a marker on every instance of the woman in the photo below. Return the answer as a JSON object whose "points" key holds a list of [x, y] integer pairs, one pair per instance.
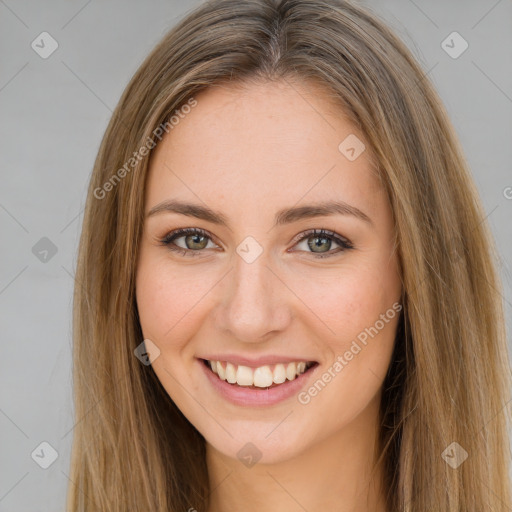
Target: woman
{"points": [[223, 359]]}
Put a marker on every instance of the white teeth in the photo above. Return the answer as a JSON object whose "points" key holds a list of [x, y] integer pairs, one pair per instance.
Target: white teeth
{"points": [[220, 371], [261, 377], [230, 373], [291, 371], [279, 374], [244, 376]]}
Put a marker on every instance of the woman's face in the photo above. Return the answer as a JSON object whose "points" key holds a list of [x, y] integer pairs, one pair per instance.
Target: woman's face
{"points": [[257, 289]]}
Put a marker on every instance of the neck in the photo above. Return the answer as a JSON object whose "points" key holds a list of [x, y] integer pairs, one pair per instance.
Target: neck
{"points": [[337, 473]]}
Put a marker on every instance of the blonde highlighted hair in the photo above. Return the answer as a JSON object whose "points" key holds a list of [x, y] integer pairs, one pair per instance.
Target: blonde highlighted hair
{"points": [[449, 378]]}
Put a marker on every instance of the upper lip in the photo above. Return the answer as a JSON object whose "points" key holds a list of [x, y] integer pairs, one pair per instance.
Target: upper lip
{"points": [[255, 362]]}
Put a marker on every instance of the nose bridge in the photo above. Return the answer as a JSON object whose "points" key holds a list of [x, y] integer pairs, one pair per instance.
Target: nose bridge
{"points": [[253, 306]]}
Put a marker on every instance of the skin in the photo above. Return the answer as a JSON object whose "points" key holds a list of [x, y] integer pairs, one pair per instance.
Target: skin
{"points": [[249, 152]]}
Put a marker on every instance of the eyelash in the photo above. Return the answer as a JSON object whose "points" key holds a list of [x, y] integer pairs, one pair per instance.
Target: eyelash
{"points": [[331, 235]]}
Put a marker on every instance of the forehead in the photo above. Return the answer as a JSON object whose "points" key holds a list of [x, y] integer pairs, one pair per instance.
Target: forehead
{"points": [[263, 144]]}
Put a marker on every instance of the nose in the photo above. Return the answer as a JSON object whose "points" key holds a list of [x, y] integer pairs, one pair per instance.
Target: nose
{"points": [[254, 302]]}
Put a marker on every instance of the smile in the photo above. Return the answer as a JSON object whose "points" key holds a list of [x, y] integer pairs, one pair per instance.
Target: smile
{"points": [[267, 376]]}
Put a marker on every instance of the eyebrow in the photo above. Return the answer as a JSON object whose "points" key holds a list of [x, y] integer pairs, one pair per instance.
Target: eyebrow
{"points": [[285, 216]]}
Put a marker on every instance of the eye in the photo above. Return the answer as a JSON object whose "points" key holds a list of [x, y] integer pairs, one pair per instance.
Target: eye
{"points": [[319, 239], [195, 240]]}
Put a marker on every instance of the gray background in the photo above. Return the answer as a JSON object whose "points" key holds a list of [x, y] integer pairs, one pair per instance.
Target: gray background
{"points": [[54, 112]]}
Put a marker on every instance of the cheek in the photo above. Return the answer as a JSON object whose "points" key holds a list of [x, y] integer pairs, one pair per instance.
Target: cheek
{"points": [[168, 300], [363, 314], [349, 300]]}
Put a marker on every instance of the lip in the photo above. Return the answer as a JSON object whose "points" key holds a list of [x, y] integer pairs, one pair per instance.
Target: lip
{"points": [[256, 361], [250, 397]]}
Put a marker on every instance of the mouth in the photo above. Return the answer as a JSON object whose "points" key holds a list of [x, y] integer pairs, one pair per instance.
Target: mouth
{"points": [[261, 377]]}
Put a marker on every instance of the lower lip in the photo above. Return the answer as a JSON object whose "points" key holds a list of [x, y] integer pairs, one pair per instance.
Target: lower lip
{"points": [[251, 397]]}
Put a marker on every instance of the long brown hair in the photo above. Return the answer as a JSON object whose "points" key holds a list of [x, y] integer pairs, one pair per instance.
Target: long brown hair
{"points": [[449, 377]]}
